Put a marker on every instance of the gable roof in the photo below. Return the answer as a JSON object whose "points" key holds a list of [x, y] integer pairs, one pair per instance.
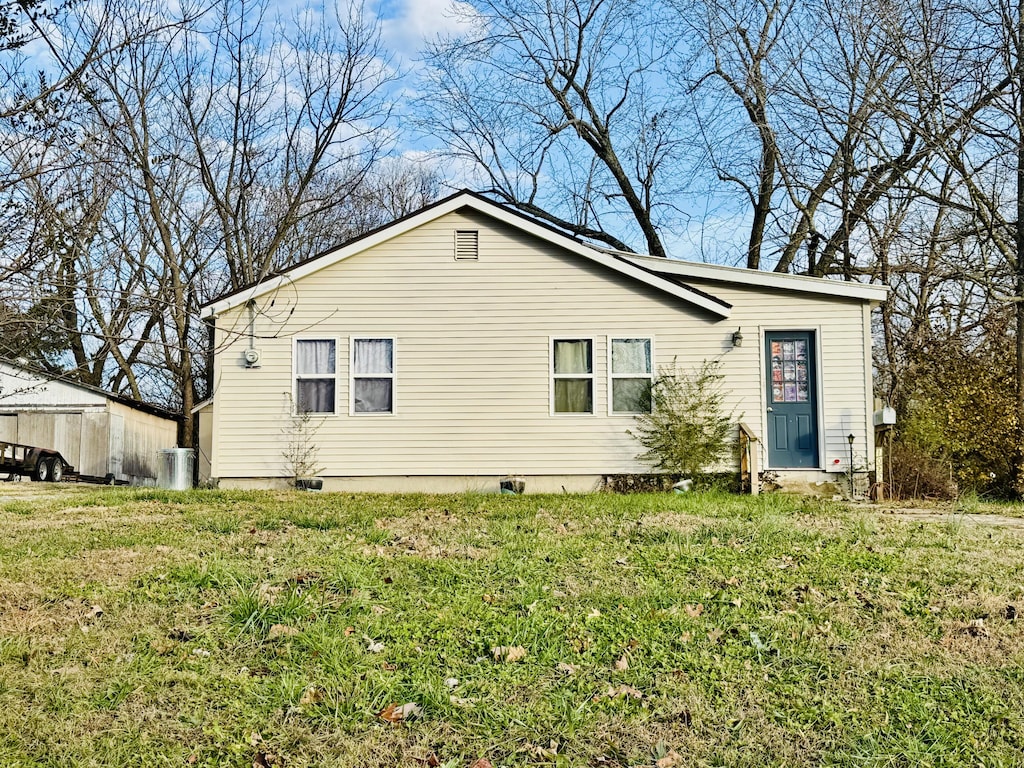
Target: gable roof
{"points": [[667, 275], [40, 376], [642, 273]]}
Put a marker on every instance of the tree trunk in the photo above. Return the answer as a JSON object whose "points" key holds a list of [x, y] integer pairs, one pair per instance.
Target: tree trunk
{"points": [[1019, 265]]}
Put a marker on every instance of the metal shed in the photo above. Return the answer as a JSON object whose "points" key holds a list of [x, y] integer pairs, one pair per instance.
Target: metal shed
{"points": [[100, 433]]}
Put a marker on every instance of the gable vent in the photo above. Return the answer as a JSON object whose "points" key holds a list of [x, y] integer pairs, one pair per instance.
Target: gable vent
{"points": [[467, 245]]}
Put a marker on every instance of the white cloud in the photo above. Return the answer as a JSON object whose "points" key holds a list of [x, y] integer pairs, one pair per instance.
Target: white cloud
{"points": [[408, 26]]}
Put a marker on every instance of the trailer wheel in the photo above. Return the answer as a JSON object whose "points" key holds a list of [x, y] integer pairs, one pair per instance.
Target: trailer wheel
{"points": [[42, 473], [56, 470]]}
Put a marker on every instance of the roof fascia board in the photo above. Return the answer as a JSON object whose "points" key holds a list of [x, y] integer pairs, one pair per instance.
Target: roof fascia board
{"points": [[800, 283], [486, 207]]}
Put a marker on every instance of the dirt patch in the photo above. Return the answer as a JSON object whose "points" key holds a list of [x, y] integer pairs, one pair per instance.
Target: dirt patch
{"points": [[116, 565], [936, 516], [677, 521], [422, 546], [427, 534], [40, 524]]}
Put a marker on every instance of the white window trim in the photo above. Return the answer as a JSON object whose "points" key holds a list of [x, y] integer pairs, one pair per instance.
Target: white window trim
{"points": [[552, 376], [352, 376], [612, 375], [296, 376]]}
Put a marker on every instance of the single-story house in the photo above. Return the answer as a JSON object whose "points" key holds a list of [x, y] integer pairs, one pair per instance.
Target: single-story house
{"points": [[100, 434], [468, 342]]}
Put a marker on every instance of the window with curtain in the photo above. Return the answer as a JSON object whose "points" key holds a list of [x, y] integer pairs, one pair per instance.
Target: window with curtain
{"points": [[632, 375], [315, 376], [373, 375], [573, 366]]}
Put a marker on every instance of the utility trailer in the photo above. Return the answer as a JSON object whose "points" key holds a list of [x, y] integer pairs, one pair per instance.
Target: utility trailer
{"points": [[44, 465]]}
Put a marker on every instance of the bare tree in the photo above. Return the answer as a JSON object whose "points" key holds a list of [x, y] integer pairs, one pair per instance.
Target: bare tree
{"points": [[986, 154], [283, 121], [829, 117], [225, 144], [560, 107]]}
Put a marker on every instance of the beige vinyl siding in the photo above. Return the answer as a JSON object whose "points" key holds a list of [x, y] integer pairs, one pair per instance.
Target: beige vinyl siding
{"points": [[472, 344], [844, 376]]}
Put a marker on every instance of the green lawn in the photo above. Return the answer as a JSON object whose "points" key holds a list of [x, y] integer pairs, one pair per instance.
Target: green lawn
{"points": [[250, 629]]}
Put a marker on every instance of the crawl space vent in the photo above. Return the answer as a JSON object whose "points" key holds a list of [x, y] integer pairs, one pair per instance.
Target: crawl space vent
{"points": [[467, 245]]}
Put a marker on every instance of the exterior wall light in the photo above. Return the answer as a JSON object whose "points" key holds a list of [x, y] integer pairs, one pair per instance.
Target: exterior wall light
{"points": [[737, 338]]}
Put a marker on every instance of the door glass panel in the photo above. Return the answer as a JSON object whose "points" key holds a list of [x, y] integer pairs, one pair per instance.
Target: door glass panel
{"points": [[790, 382]]}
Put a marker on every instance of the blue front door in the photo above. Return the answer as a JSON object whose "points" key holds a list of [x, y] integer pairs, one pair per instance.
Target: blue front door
{"points": [[792, 400]]}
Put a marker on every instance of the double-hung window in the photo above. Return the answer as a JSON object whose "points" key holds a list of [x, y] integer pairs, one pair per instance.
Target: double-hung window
{"points": [[631, 375], [373, 375], [572, 365], [315, 376]]}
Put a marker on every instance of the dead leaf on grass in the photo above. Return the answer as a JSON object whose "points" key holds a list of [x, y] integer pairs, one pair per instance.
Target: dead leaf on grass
{"points": [[508, 653], [569, 669], [277, 631], [267, 592], [311, 696], [623, 691], [975, 628], [397, 713], [429, 759], [671, 760], [715, 635], [372, 645], [693, 611], [162, 646], [622, 664], [481, 762], [733, 581], [541, 752], [63, 671]]}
